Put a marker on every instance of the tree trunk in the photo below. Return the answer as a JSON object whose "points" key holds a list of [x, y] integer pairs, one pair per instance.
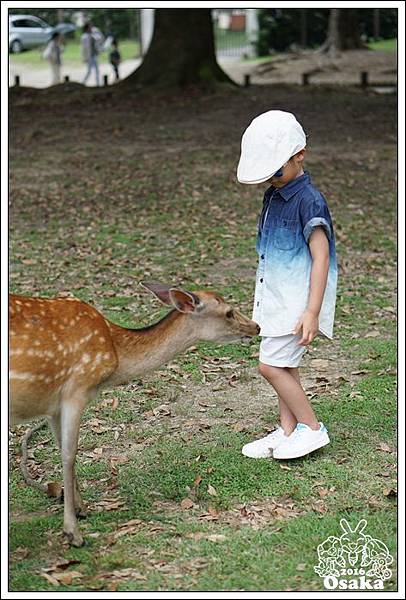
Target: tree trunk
{"points": [[377, 24], [303, 27], [181, 52], [343, 32]]}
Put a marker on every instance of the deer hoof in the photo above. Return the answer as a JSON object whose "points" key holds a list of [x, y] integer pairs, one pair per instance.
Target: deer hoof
{"points": [[74, 538]]}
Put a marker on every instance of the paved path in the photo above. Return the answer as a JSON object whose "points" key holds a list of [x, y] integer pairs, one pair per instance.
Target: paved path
{"points": [[40, 76]]}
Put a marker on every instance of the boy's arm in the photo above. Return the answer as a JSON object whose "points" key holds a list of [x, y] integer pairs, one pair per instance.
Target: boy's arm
{"points": [[309, 321]]}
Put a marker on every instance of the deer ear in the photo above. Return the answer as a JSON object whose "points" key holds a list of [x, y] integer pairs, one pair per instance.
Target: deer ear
{"points": [[345, 526], [160, 291], [184, 302]]}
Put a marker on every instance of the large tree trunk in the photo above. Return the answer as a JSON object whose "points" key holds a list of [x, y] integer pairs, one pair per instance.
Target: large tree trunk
{"points": [[343, 32], [181, 52]]}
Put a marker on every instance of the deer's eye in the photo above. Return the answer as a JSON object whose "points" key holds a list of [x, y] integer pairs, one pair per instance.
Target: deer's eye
{"points": [[230, 314]]}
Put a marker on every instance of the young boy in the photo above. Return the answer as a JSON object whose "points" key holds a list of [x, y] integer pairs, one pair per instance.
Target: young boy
{"points": [[115, 57], [296, 278]]}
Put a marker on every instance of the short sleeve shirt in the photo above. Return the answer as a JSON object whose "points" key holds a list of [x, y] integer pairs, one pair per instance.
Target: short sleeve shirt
{"points": [[289, 216]]}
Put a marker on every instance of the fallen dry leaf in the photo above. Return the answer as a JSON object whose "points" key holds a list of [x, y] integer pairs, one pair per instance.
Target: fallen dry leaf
{"points": [[372, 334], [211, 490], [187, 504], [320, 363], [390, 493], [385, 448], [54, 489], [197, 481], [216, 537], [238, 427]]}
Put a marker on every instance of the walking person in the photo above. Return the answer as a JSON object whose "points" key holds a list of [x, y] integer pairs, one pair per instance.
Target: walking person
{"points": [[53, 54], [90, 53], [115, 57]]}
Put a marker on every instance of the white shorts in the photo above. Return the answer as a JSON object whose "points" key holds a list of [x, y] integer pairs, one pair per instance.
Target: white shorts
{"points": [[281, 351]]}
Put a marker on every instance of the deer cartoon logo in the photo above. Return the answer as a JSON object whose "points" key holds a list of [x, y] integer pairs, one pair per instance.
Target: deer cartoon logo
{"points": [[354, 553]]}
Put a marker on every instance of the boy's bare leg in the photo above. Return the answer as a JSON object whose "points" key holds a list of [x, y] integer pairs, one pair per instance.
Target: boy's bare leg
{"points": [[287, 418], [287, 386]]}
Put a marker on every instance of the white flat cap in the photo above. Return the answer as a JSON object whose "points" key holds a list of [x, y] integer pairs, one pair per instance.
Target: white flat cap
{"points": [[268, 143]]}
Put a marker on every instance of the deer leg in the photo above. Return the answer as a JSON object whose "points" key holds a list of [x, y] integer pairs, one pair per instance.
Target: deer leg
{"points": [[80, 507], [71, 413]]}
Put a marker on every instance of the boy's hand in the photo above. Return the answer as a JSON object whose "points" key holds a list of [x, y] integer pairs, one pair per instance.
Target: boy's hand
{"points": [[309, 325]]}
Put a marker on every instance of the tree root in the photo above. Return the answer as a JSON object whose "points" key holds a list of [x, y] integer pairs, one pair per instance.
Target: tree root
{"points": [[24, 457]]}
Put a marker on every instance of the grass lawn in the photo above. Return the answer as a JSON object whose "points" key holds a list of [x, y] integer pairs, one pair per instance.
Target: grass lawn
{"points": [[152, 195], [384, 44], [72, 54]]}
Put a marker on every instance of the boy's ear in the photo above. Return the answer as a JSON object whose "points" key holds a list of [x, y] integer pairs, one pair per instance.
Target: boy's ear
{"points": [[300, 155]]}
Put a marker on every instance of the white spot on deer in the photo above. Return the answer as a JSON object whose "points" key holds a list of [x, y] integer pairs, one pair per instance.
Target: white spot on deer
{"points": [[98, 358], [102, 339], [16, 352], [107, 355], [86, 358], [37, 343], [18, 302], [21, 375]]}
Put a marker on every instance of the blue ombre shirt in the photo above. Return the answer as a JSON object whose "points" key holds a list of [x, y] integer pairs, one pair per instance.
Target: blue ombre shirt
{"points": [[289, 216]]}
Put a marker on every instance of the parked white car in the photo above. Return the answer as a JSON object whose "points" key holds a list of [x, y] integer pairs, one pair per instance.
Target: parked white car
{"points": [[26, 31]]}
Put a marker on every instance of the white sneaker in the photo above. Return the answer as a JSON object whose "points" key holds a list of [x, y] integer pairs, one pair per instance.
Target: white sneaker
{"points": [[302, 441], [262, 448]]}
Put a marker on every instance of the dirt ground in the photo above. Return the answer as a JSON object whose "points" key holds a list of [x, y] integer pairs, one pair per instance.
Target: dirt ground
{"points": [[110, 189], [345, 69]]}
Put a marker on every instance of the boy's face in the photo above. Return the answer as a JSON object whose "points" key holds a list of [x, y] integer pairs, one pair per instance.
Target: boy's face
{"points": [[292, 169]]}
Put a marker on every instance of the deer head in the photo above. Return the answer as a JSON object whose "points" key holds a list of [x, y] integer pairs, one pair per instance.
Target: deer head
{"points": [[211, 317]]}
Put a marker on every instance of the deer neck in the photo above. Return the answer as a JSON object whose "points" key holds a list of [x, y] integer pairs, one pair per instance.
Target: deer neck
{"points": [[140, 351]]}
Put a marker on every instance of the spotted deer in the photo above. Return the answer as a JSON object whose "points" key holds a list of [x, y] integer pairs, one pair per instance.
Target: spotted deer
{"points": [[63, 352]]}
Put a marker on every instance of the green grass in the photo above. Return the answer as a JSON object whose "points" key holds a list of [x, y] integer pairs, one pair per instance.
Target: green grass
{"points": [[129, 49], [383, 44], [151, 195]]}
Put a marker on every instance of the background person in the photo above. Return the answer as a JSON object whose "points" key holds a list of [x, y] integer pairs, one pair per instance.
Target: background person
{"points": [[90, 43], [115, 57], [53, 54]]}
